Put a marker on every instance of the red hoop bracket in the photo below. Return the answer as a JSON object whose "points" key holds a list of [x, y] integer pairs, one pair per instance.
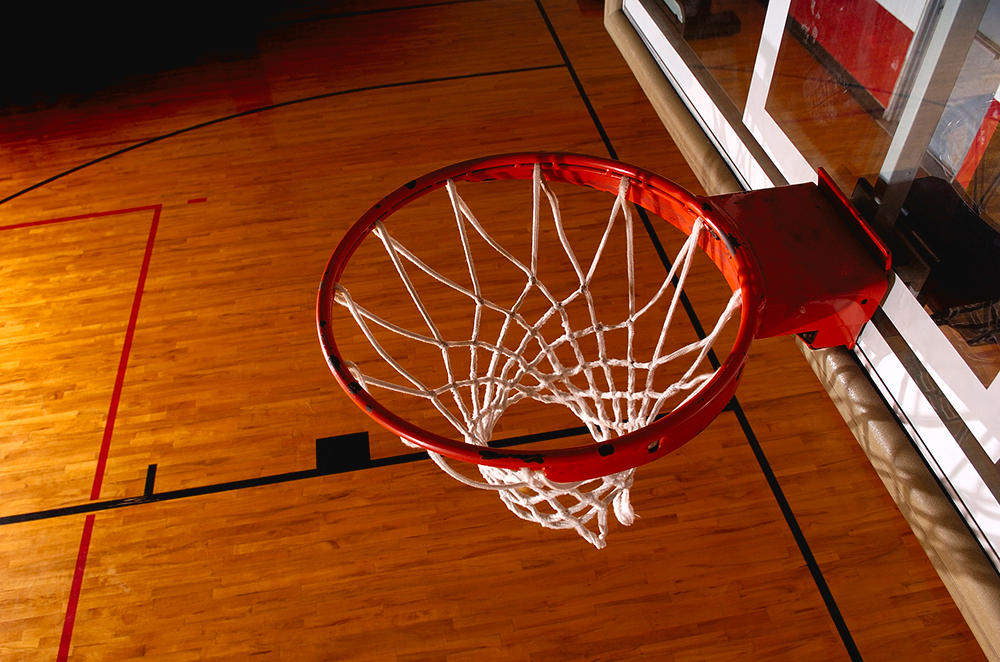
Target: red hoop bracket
{"points": [[824, 270]]}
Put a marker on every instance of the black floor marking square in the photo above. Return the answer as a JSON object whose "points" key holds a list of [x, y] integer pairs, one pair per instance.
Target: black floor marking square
{"points": [[345, 452]]}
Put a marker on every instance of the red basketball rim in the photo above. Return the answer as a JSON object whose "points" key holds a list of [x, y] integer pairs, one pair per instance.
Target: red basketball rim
{"points": [[722, 242]]}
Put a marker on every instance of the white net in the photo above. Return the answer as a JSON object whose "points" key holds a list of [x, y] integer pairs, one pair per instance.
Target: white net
{"points": [[541, 356]]}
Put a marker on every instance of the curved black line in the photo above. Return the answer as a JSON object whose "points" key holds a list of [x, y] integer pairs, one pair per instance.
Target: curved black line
{"points": [[369, 12], [282, 104]]}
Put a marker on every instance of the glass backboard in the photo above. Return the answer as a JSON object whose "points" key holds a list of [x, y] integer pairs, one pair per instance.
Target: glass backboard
{"points": [[899, 101]]}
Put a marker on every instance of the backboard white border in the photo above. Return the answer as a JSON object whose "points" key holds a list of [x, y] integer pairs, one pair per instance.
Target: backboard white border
{"points": [[970, 494], [771, 137]]}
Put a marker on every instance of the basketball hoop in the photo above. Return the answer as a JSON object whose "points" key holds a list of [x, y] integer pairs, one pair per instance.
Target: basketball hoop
{"points": [[632, 416]]}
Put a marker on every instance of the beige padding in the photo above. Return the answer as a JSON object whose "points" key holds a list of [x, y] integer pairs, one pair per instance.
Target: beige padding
{"points": [[950, 546], [701, 155], [956, 555]]}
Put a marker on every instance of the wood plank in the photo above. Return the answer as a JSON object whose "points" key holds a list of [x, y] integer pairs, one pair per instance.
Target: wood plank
{"points": [[36, 568]]}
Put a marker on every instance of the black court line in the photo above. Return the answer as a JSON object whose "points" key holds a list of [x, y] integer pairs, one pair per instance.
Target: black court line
{"points": [[576, 81], [762, 461], [147, 489], [324, 468], [800, 538], [282, 104]]}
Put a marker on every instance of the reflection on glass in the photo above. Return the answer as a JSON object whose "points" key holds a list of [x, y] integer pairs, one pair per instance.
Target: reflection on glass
{"points": [[961, 143], [724, 34], [837, 70], [960, 251], [952, 213]]}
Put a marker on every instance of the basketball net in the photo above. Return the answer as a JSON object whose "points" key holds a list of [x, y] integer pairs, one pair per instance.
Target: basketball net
{"points": [[522, 363]]}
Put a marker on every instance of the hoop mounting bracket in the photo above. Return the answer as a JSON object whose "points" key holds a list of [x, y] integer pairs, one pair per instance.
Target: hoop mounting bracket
{"points": [[824, 270]]}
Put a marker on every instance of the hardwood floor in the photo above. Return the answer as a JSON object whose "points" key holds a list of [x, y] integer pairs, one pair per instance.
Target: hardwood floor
{"points": [[163, 237]]}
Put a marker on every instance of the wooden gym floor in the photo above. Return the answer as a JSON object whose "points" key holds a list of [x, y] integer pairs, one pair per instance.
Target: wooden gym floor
{"points": [[165, 494]]}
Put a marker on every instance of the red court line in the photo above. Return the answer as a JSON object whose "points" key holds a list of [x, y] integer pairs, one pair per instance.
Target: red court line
{"points": [[116, 393], [74, 591], [79, 217], [102, 460], [194, 200]]}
